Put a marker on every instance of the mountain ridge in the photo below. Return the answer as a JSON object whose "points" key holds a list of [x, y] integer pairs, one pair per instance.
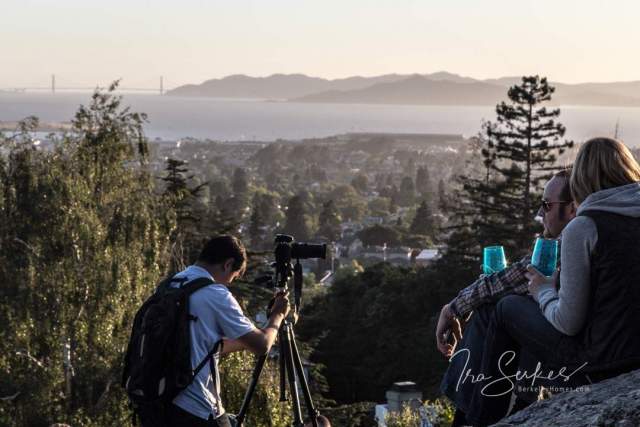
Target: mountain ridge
{"points": [[439, 88]]}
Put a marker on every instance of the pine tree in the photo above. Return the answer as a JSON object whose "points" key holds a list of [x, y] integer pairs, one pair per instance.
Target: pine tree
{"points": [[423, 182], [498, 199], [329, 222], [443, 204], [298, 223], [240, 183], [407, 193], [182, 199], [256, 225], [423, 221]]}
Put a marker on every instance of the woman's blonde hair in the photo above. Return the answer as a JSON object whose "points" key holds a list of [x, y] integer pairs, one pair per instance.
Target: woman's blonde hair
{"points": [[602, 163]]}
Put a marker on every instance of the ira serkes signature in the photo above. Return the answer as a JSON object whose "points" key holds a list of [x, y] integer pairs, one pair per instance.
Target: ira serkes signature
{"points": [[507, 381]]}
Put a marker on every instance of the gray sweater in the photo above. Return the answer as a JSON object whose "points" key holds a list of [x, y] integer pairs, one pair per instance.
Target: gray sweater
{"points": [[566, 309]]}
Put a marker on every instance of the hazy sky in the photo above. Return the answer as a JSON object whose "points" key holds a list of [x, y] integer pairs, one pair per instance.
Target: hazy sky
{"points": [[88, 42]]}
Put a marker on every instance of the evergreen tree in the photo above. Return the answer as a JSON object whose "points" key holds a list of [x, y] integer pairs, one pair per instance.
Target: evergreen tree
{"points": [[264, 215], [423, 182], [527, 143], [182, 199], [442, 197], [256, 224], [298, 223], [407, 193], [497, 204], [329, 222], [240, 183], [423, 221]]}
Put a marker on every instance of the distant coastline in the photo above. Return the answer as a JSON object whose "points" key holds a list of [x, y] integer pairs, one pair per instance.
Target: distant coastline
{"points": [[437, 89], [49, 126]]}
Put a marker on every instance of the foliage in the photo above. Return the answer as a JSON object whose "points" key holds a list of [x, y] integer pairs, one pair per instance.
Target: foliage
{"points": [[298, 221], [407, 193], [379, 235], [497, 203], [266, 410], [329, 222], [84, 239], [85, 235], [364, 341], [439, 413], [423, 182], [182, 198], [423, 221]]}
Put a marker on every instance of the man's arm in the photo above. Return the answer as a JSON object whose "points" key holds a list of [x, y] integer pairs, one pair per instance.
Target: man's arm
{"points": [[490, 288], [486, 289], [259, 341]]}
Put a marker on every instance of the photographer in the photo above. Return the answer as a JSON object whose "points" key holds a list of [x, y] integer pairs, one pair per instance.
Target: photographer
{"points": [[218, 316]]}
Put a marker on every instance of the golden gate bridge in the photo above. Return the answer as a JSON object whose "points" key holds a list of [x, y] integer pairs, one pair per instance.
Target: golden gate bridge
{"points": [[53, 87]]}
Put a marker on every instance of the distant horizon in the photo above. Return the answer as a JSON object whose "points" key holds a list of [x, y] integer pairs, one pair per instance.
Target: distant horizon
{"points": [[86, 87], [87, 43], [550, 79]]}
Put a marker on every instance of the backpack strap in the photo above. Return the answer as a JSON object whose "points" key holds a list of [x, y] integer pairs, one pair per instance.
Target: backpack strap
{"points": [[189, 288], [195, 284], [207, 358]]}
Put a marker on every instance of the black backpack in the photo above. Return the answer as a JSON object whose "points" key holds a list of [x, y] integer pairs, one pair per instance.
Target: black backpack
{"points": [[157, 364]]}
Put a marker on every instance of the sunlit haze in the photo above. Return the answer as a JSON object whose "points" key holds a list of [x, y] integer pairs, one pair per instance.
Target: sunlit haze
{"points": [[89, 43]]}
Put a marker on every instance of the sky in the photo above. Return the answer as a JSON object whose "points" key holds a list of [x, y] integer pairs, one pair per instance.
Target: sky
{"points": [[89, 42]]}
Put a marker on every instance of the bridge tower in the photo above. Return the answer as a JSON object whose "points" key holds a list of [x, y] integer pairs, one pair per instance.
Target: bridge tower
{"points": [[53, 84], [161, 85]]}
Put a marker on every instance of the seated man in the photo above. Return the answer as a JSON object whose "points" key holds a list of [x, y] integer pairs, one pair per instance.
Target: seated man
{"points": [[480, 297]]}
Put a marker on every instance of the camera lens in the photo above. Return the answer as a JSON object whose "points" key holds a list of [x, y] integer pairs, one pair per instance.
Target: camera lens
{"points": [[308, 250]]}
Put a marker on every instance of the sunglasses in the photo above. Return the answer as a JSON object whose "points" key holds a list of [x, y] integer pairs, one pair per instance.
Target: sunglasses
{"points": [[546, 206]]}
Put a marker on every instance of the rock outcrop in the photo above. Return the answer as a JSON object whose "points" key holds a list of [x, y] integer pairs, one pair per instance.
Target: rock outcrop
{"points": [[611, 403]]}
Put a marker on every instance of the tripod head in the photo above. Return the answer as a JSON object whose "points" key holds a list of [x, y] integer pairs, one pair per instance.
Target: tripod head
{"points": [[285, 251]]}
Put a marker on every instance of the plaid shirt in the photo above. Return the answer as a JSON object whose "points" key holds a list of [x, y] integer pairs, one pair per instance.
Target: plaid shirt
{"points": [[490, 288]]}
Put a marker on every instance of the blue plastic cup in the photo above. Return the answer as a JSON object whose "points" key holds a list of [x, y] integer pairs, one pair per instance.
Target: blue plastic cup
{"points": [[493, 259], [545, 256]]}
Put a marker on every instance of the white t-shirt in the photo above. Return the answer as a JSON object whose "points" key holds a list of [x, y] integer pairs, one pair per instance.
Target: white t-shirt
{"points": [[218, 316]]}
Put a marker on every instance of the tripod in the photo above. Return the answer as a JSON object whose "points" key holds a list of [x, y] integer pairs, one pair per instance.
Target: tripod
{"points": [[291, 369]]}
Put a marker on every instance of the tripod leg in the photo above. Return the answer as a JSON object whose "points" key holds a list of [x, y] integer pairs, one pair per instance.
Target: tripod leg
{"points": [[281, 360], [293, 383], [250, 390], [312, 411]]}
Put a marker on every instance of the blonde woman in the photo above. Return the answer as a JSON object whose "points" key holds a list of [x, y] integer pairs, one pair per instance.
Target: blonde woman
{"points": [[585, 330], [599, 300]]}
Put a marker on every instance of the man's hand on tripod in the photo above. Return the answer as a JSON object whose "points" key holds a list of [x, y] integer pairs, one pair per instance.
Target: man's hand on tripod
{"points": [[280, 304], [259, 341]]}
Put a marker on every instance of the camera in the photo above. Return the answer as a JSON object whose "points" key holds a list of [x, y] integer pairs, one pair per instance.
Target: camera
{"points": [[295, 250]]}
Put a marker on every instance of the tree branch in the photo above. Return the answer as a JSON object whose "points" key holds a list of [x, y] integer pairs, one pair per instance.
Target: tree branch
{"points": [[10, 398]]}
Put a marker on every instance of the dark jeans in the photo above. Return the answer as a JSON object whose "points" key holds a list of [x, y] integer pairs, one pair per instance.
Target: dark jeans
{"points": [[467, 359], [517, 325], [178, 417]]}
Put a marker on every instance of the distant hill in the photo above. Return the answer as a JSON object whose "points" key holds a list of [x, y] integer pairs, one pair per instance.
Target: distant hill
{"points": [[276, 86], [288, 86], [415, 90], [441, 88]]}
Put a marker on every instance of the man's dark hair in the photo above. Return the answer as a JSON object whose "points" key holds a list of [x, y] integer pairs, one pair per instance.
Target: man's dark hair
{"points": [[565, 194], [221, 248]]}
